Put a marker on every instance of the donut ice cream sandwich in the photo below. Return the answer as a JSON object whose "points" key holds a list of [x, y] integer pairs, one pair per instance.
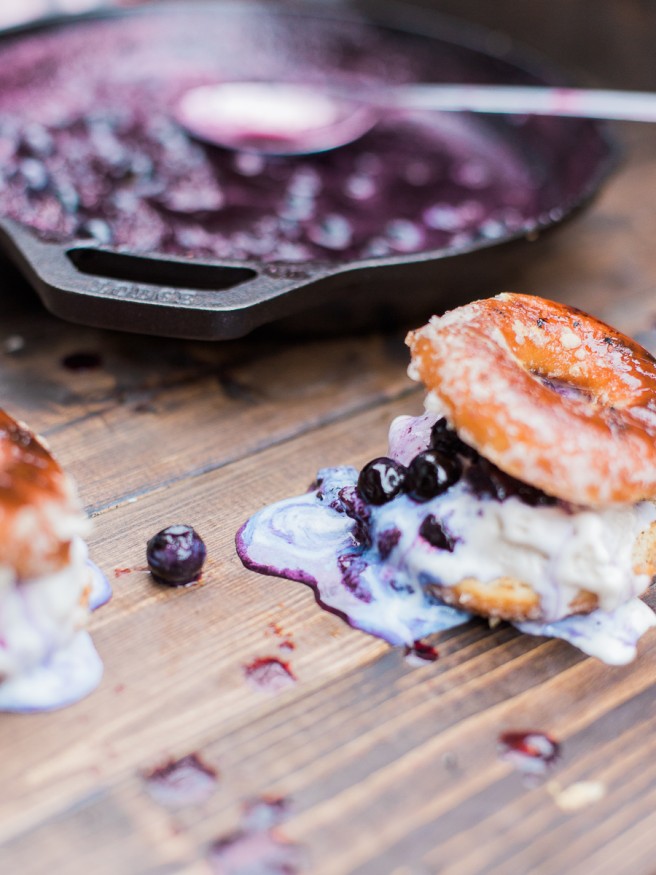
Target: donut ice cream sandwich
{"points": [[524, 493], [48, 586]]}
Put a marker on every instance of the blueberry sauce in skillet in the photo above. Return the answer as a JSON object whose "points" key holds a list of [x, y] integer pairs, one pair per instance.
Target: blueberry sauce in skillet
{"points": [[90, 150]]}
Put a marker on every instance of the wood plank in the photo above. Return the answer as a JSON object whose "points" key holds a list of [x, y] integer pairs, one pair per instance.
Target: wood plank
{"points": [[157, 410], [360, 736]]}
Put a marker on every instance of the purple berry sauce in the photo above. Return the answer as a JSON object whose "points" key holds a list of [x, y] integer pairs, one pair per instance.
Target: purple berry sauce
{"points": [[270, 674], [258, 847], [419, 653], [90, 150], [530, 752], [181, 783]]}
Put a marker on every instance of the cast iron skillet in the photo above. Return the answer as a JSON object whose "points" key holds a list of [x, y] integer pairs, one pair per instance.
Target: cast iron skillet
{"points": [[202, 299]]}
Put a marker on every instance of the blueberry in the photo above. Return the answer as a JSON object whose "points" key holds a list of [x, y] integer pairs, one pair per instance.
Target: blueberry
{"points": [[37, 141], [380, 480], [98, 230], [436, 534], [445, 440], [387, 541], [430, 474], [485, 479], [68, 197], [34, 174], [176, 555]]}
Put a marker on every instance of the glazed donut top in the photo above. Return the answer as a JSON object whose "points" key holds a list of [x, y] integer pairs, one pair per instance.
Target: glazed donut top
{"points": [[39, 509], [547, 393]]}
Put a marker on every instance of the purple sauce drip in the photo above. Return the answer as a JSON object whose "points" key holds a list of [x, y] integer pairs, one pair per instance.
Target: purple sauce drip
{"points": [[420, 652], [89, 149]]}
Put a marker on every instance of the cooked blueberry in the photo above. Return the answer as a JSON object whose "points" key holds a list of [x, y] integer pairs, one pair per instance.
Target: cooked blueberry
{"points": [[350, 502], [437, 535], [380, 480], [176, 555], [352, 567], [37, 141], [484, 478], [430, 474], [35, 174], [445, 440], [387, 541], [98, 230]]}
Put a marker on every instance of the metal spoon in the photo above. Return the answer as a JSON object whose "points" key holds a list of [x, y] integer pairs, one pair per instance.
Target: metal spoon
{"points": [[285, 118]]}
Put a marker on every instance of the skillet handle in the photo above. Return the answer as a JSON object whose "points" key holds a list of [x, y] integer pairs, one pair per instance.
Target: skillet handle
{"points": [[164, 296]]}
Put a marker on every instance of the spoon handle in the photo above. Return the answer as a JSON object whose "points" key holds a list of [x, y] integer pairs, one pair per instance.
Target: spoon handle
{"points": [[525, 100]]}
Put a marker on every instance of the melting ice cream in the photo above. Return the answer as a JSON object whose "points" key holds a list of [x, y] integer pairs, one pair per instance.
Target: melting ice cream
{"points": [[378, 565]]}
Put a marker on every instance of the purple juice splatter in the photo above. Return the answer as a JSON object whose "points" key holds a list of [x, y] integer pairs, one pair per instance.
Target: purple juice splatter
{"points": [[257, 848], [180, 783], [260, 853], [265, 813], [531, 752], [270, 674], [420, 653]]}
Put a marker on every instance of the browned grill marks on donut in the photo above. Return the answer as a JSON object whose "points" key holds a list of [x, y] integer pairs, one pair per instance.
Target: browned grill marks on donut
{"points": [[549, 394], [32, 483]]}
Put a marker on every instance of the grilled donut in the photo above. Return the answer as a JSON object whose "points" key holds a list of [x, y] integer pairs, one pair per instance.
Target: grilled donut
{"points": [[549, 394], [39, 509]]}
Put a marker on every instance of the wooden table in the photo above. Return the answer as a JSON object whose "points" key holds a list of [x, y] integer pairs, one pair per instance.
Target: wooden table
{"points": [[385, 768]]}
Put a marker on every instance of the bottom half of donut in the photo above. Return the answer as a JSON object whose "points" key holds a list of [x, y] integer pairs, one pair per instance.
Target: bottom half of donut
{"points": [[507, 598]]}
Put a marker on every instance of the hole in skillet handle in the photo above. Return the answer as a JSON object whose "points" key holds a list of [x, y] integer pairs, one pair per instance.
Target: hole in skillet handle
{"points": [[177, 275], [156, 295]]}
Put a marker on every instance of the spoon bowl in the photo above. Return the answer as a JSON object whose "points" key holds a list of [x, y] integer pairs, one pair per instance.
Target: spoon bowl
{"points": [[274, 118]]}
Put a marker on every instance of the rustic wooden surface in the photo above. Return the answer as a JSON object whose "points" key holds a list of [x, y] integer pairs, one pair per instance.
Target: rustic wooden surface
{"points": [[388, 769]]}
